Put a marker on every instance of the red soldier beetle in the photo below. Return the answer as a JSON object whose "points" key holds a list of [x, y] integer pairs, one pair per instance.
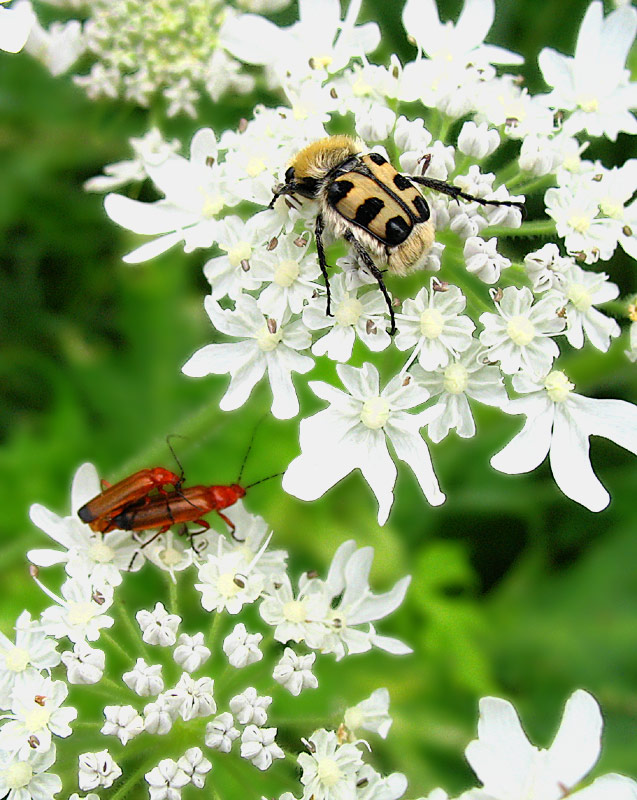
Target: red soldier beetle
{"points": [[185, 505], [104, 507]]}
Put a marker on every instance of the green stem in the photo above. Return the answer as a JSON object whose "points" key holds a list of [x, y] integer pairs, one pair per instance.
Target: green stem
{"points": [[509, 172], [134, 632], [214, 632], [529, 186], [115, 645], [122, 791], [541, 227], [173, 599]]}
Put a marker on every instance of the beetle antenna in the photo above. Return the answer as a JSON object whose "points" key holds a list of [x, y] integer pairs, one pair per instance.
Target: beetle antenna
{"points": [[245, 458], [269, 478], [174, 454]]}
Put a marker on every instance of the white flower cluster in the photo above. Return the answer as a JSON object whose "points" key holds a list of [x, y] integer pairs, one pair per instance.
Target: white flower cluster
{"points": [[333, 615], [266, 292], [141, 48]]}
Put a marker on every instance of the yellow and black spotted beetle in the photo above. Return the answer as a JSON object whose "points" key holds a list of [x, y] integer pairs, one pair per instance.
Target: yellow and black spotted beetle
{"points": [[364, 200]]}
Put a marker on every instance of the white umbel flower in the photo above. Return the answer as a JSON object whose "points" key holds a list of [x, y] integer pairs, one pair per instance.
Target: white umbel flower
{"points": [[268, 345], [371, 714], [80, 614], [594, 85], [259, 747], [97, 770], [241, 647], [85, 665], [193, 698], [330, 768], [294, 672], [26, 778], [158, 626], [353, 432], [196, 766], [191, 652], [482, 259], [144, 679], [582, 292], [123, 722], [166, 780], [559, 424], [478, 141], [547, 268], [228, 582], [432, 323], [465, 377], [354, 314], [518, 336], [36, 714], [33, 651], [248, 708], [160, 715], [221, 733]]}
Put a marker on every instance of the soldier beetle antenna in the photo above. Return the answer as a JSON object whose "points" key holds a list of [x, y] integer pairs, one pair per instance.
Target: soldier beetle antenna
{"points": [[245, 458], [263, 480], [174, 455]]}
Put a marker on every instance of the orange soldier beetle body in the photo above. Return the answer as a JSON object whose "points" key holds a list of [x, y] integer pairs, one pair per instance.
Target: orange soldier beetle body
{"points": [[100, 512], [187, 505]]}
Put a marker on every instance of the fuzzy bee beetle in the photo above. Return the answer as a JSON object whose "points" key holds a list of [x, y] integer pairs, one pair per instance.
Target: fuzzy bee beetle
{"points": [[364, 200]]}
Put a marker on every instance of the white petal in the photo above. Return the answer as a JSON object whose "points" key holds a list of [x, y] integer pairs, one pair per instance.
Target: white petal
{"points": [[47, 558], [153, 249], [528, 449], [576, 746], [218, 359], [86, 485], [613, 419], [53, 525], [421, 20], [609, 787], [502, 756], [285, 403], [253, 39], [571, 466], [474, 22], [147, 218], [242, 383], [378, 470], [412, 449]]}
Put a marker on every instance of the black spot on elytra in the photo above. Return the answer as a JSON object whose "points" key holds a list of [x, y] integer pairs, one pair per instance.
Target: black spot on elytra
{"points": [[366, 212], [397, 230], [401, 182], [420, 204], [337, 191], [377, 159]]}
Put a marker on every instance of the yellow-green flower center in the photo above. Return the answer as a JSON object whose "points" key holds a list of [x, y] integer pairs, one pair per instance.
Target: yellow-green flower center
{"points": [[580, 296], [170, 556], [18, 775], [294, 611], [212, 206], [17, 659], [456, 378], [328, 772], [375, 412], [588, 103], [267, 340], [580, 222], [227, 585], [286, 272], [238, 253], [255, 166], [521, 330], [558, 386], [80, 613], [611, 208], [101, 553], [432, 323], [353, 718], [348, 311], [37, 718]]}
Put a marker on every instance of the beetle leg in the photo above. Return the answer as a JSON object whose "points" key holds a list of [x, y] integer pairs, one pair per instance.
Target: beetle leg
{"points": [[205, 525], [279, 191], [105, 484], [320, 251], [456, 192], [373, 269], [155, 535]]}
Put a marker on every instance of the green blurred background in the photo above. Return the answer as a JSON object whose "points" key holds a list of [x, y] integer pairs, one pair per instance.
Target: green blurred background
{"points": [[516, 591]]}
